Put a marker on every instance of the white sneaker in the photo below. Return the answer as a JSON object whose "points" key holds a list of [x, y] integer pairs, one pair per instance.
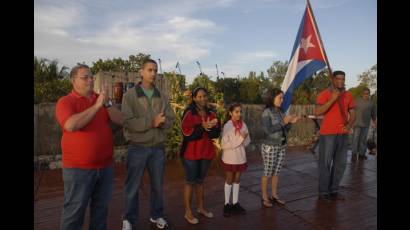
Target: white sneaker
{"points": [[126, 225], [161, 223]]}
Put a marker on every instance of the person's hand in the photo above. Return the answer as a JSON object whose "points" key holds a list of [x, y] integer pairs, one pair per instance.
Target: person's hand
{"points": [[287, 119], [374, 125], [244, 134], [335, 95], [213, 122], [102, 98], [294, 119], [206, 124], [158, 120], [347, 129]]}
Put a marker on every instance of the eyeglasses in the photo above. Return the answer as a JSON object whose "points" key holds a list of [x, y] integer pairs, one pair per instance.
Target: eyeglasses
{"points": [[85, 78]]}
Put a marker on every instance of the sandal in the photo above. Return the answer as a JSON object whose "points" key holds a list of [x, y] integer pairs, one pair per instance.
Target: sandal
{"points": [[266, 203], [191, 221], [206, 214], [277, 201]]}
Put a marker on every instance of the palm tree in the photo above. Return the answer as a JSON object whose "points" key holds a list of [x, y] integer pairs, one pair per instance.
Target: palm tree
{"points": [[45, 70], [50, 82]]}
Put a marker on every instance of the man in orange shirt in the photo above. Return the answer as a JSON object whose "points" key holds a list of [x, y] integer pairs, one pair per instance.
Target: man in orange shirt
{"points": [[337, 107], [87, 149]]}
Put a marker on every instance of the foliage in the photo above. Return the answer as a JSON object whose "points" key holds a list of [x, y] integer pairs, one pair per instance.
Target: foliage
{"points": [[369, 78], [133, 64], [50, 81]]}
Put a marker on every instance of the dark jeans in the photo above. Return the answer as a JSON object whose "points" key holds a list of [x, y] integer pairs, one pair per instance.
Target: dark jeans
{"points": [[195, 170], [80, 187], [139, 157], [332, 162], [359, 145]]}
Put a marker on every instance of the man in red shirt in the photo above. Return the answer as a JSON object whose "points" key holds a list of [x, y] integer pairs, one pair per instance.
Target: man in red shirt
{"points": [[87, 149], [337, 107]]}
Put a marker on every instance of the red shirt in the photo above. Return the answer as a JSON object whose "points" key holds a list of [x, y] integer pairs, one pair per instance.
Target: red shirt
{"points": [[202, 148], [333, 121], [90, 147]]}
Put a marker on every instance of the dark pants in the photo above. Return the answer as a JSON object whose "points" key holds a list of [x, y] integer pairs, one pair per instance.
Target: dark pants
{"points": [[359, 140], [82, 186], [138, 158], [195, 170], [332, 162]]}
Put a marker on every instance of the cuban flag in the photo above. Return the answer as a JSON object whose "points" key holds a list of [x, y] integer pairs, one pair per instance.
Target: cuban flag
{"points": [[308, 56]]}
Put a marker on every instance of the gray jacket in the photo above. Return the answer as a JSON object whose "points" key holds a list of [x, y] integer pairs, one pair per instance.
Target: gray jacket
{"points": [[138, 116], [274, 127]]}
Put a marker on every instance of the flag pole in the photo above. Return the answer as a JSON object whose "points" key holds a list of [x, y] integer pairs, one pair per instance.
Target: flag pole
{"points": [[321, 43]]}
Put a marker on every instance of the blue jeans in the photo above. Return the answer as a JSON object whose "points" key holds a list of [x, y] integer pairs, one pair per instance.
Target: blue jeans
{"points": [[139, 157], [80, 187], [195, 170], [332, 162], [359, 140]]}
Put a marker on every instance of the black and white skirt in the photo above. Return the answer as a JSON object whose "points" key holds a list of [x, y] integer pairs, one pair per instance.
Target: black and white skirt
{"points": [[273, 157]]}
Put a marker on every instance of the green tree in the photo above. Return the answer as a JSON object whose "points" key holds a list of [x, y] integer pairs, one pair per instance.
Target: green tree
{"points": [[135, 61], [357, 91], [229, 87], [374, 97], [277, 72], [320, 82], [50, 81], [264, 84], [302, 95], [46, 70], [203, 81], [249, 89], [308, 90], [178, 103], [133, 64], [369, 78]]}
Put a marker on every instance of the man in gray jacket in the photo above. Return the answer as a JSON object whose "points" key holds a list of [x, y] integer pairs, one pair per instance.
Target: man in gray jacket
{"points": [[147, 116], [365, 112]]}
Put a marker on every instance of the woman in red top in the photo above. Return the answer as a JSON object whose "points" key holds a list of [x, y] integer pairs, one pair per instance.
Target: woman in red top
{"points": [[199, 127]]}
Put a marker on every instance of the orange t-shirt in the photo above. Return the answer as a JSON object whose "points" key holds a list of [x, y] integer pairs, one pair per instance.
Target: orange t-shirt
{"points": [[90, 147], [333, 121]]}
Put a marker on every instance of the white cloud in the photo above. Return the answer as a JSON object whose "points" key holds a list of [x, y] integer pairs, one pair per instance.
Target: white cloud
{"points": [[294, 6], [74, 32], [247, 57]]}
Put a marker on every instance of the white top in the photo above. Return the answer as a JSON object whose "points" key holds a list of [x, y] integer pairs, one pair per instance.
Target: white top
{"points": [[233, 144]]}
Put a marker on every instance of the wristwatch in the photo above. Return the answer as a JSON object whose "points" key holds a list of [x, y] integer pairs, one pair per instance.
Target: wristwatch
{"points": [[108, 104]]}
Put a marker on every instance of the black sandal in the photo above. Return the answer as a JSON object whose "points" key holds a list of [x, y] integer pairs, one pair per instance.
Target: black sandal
{"points": [[275, 200]]}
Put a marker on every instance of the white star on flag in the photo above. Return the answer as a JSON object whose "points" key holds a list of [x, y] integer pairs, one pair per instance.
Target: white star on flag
{"points": [[305, 43]]}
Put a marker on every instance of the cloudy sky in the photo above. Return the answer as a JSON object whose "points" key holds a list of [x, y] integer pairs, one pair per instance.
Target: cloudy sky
{"points": [[238, 35]]}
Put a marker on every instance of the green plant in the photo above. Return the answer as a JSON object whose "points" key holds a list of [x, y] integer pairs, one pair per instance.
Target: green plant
{"points": [[179, 101]]}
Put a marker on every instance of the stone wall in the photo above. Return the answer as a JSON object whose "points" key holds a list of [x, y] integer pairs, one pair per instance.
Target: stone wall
{"points": [[47, 133], [300, 134], [109, 78]]}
